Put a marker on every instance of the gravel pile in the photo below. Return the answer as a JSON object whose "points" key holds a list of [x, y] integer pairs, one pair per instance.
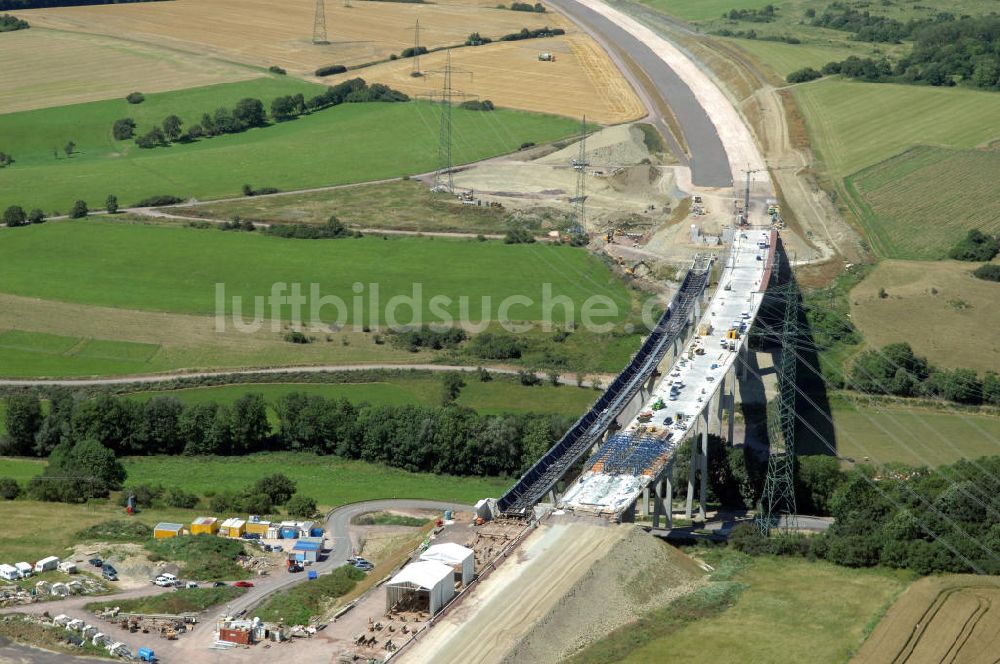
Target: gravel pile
{"points": [[638, 574], [621, 145]]}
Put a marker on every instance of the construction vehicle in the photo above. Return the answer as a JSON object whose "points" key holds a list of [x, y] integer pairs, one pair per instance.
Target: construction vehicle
{"points": [[772, 207], [546, 57]]}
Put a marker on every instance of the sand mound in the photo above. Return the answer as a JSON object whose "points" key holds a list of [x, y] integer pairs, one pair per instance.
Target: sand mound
{"points": [[637, 574], [622, 145]]}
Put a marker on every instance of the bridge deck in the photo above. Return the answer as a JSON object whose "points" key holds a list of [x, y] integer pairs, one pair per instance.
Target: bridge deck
{"points": [[639, 454]]}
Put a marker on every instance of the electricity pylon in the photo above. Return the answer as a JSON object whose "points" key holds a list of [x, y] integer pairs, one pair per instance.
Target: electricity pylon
{"points": [[580, 164], [416, 50], [319, 23], [778, 497]]}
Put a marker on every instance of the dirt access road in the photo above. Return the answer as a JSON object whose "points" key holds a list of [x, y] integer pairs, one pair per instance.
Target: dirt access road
{"points": [[195, 648]]}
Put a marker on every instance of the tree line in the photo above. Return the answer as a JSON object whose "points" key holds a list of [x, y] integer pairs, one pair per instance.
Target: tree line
{"points": [[250, 112], [40, 4], [946, 52], [10, 23], [450, 439], [943, 520], [895, 369]]}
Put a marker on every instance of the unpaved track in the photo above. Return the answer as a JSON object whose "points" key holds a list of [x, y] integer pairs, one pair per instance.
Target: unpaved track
{"points": [[194, 648], [163, 378], [488, 623]]}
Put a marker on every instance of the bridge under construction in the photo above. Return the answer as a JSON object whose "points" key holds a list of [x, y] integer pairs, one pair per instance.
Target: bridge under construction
{"points": [[700, 339]]}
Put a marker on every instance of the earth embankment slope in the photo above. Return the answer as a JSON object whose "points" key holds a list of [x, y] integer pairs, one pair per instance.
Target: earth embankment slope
{"points": [[565, 585]]}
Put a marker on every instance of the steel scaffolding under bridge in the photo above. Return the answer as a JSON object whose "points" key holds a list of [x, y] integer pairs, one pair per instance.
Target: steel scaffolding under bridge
{"points": [[542, 476]]}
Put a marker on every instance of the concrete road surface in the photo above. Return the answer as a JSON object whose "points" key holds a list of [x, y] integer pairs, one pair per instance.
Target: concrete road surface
{"points": [[709, 163]]}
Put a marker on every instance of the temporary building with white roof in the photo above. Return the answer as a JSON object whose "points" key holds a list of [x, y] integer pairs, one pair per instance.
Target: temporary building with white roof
{"points": [[459, 558], [429, 578]]}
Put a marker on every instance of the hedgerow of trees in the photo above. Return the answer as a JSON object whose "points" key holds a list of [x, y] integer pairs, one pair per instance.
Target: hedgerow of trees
{"points": [[250, 113], [450, 439], [944, 520], [38, 4], [10, 23], [895, 369], [333, 229], [976, 246], [946, 51], [987, 272]]}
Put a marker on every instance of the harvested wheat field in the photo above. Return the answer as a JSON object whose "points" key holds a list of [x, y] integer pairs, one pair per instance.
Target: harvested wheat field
{"points": [[265, 33], [43, 68], [581, 81], [939, 619]]}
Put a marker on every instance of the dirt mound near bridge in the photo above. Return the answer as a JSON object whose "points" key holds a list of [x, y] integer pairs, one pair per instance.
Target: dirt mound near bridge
{"points": [[638, 573]]}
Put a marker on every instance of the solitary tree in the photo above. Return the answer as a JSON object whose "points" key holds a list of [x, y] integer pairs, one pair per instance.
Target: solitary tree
{"points": [[451, 386], [69, 148], [79, 210], [36, 216], [111, 204], [14, 216]]}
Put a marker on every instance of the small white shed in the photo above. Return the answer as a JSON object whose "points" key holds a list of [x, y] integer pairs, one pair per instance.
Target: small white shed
{"points": [[424, 585], [459, 558]]}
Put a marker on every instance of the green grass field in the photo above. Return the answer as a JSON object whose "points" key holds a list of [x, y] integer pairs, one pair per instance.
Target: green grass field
{"points": [[402, 205], [36, 353], [165, 268], [500, 395], [785, 592], [903, 221], [332, 481], [37, 529], [912, 436], [311, 151], [854, 125]]}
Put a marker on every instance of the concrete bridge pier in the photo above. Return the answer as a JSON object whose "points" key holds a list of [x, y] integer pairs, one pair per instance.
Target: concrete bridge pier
{"points": [[644, 505], [732, 406], [704, 467], [663, 500]]}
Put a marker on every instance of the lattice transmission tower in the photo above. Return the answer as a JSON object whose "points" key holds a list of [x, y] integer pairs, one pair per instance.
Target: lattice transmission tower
{"points": [[319, 23], [443, 176], [416, 50], [579, 200], [778, 498]]}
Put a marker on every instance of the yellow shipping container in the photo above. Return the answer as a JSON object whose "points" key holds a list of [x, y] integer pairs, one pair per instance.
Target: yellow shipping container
{"points": [[205, 525], [258, 527], [167, 530]]}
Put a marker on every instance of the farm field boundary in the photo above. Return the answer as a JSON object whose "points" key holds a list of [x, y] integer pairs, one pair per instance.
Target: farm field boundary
{"points": [[318, 149], [918, 204]]}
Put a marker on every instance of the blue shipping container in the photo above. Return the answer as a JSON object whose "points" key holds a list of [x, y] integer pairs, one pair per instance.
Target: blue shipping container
{"points": [[316, 532], [146, 655], [290, 533], [312, 575]]}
